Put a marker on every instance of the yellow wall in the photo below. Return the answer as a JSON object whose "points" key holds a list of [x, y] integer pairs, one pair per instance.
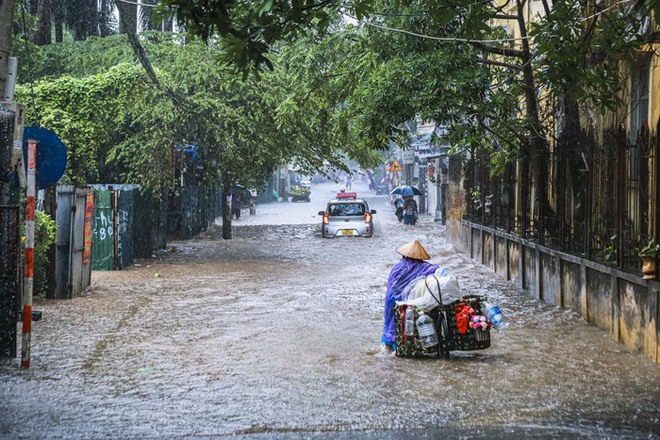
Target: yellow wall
{"points": [[654, 96]]}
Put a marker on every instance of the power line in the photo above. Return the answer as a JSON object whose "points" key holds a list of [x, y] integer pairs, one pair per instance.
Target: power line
{"points": [[144, 5], [429, 37]]}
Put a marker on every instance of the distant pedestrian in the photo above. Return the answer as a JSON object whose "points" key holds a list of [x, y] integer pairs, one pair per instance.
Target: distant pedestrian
{"points": [[253, 201], [398, 204], [236, 202], [409, 210]]}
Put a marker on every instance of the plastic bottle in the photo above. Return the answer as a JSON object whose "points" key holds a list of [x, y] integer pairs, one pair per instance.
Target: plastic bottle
{"points": [[494, 315], [426, 330], [409, 328]]}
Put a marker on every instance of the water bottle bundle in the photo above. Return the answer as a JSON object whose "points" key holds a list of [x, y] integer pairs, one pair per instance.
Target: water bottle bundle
{"points": [[478, 315], [472, 316], [426, 330], [426, 333]]}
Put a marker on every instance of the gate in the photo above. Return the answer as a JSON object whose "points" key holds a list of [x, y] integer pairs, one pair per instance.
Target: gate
{"points": [[103, 251], [113, 227], [72, 261]]}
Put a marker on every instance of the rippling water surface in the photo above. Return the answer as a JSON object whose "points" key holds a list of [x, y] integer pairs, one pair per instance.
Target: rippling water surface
{"points": [[276, 334]]}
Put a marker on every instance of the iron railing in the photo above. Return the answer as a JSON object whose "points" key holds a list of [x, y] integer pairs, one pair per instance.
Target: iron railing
{"points": [[597, 200]]}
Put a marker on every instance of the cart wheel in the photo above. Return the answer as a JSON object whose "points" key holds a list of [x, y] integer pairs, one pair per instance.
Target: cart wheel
{"points": [[445, 337]]}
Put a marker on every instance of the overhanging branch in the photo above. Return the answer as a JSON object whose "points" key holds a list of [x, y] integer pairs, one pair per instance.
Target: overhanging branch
{"points": [[504, 51], [499, 63]]}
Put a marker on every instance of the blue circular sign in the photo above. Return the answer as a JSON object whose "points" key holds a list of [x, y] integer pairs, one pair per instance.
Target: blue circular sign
{"points": [[51, 155]]}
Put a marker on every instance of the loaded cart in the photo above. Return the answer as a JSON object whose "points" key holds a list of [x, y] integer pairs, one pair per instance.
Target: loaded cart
{"points": [[460, 325], [300, 194]]}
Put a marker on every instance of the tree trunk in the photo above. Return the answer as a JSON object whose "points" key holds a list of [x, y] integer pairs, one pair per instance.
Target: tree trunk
{"points": [[93, 20], [42, 36], [57, 8], [58, 13], [105, 14], [127, 18], [538, 148], [226, 210]]}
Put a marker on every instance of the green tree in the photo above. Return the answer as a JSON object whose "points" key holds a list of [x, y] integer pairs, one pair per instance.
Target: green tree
{"points": [[124, 124], [248, 29], [90, 114]]}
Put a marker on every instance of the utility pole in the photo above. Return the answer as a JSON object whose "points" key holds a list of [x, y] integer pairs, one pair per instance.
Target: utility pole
{"points": [[6, 20]]}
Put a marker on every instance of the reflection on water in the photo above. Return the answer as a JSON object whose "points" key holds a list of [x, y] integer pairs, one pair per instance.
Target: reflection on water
{"points": [[276, 334]]}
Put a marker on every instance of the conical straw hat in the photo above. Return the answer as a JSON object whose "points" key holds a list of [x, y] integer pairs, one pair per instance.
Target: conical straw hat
{"points": [[414, 250]]}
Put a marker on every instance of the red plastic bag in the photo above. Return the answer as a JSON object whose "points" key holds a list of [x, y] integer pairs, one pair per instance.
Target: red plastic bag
{"points": [[463, 313]]}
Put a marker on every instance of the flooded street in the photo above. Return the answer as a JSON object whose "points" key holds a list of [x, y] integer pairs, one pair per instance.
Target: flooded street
{"points": [[276, 334]]}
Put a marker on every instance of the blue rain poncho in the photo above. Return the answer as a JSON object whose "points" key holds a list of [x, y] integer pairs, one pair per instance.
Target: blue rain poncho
{"points": [[403, 272]]}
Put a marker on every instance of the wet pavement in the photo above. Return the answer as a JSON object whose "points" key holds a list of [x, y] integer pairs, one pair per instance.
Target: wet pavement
{"points": [[276, 334]]}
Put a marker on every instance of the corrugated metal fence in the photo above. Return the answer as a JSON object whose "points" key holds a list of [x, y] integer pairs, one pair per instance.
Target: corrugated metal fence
{"points": [[193, 210], [75, 208], [113, 227]]}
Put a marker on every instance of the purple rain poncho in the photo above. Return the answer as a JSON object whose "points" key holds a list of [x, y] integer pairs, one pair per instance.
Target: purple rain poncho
{"points": [[403, 272]]}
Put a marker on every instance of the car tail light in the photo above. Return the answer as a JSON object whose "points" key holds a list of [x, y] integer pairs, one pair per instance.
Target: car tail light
{"points": [[325, 219], [367, 217]]}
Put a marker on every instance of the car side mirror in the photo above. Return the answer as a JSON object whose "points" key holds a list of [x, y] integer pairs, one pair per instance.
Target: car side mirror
{"points": [[373, 211], [321, 212]]}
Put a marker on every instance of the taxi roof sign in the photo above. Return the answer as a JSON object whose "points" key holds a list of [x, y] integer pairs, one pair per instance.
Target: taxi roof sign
{"points": [[345, 195]]}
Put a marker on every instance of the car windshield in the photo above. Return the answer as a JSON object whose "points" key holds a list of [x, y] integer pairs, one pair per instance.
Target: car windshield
{"points": [[343, 209]]}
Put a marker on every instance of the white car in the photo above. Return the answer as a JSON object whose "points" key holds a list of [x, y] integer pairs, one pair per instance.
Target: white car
{"points": [[347, 216], [305, 183]]}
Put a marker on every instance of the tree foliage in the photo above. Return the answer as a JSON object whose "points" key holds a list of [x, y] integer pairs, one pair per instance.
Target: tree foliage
{"points": [[249, 29], [119, 124], [90, 114], [346, 90]]}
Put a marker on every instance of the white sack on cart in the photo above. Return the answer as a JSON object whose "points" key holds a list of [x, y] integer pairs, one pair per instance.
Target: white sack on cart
{"points": [[423, 291]]}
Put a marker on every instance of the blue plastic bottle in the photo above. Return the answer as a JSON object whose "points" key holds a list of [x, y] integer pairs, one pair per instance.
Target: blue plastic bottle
{"points": [[495, 316]]}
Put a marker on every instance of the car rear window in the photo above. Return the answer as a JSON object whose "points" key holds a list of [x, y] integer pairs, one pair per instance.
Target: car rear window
{"points": [[346, 209]]}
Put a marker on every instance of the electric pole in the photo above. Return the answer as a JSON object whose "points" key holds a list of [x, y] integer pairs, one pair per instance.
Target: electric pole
{"points": [[6, 20]]}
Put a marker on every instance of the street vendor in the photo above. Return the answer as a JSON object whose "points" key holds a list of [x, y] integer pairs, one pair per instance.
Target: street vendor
{"points": [[410, 267]]}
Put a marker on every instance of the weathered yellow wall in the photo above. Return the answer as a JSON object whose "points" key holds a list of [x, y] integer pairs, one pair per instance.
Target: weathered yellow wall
{"points": [[623, 304], [654, 96]]}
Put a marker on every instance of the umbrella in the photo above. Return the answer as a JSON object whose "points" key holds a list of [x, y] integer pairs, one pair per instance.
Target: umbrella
{"points": [[406, 190]]}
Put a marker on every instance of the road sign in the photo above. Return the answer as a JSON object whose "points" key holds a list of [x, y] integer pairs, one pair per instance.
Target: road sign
{"points": [[51, 155], [395, 166], [408, 157]]}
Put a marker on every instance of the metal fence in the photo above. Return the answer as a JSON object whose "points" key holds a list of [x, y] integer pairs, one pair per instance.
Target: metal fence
{"points": [[597, 200], [192, 210], [73, 216]]}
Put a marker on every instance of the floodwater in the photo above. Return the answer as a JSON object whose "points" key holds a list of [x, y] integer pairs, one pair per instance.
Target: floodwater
{"points": [[276, 334]]}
